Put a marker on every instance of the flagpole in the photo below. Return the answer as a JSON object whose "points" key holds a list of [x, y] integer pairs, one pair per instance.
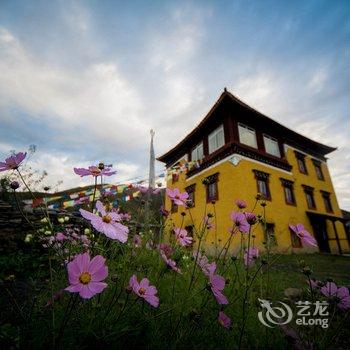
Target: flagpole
{"points": [[151, 175]]}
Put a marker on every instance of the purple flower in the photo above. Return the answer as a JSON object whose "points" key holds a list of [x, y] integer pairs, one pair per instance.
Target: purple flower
{"points": [[203, 262], [164, 212], [217, 284], [241, 204], [85, 276], [177, 197], [208, 224], [144, 290], [305, 237], [251, 218], [341, 294], [239, 219], [60, 236], [166, 249], [250, 255], [142, 189], [94, 171], [137, 241], [224, 320], [13, 162], [107, 223], [14, 185], [170, 263], [182, 237]]}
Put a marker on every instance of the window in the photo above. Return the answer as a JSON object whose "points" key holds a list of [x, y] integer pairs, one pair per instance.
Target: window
{"points": [[296, 241], [309, 193], [271, 146], [191, 198], [327, 201], [197, 152], [301, 162], [269, 233], [211, 183], [262, 180], [288, 189], [247, 136], [216, 139], [318, 169]]}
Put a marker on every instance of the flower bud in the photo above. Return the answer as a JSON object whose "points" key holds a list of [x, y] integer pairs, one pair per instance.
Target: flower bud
{"points": [[60, 220], [66, 218], [87, 231], [14, 185]]}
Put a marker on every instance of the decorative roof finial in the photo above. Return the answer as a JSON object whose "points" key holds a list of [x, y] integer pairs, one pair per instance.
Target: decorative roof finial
{"points": [[225, 90]]}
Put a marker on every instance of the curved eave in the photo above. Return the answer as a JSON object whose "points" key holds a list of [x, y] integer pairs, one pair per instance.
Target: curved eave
{"points": [[293, 135]]}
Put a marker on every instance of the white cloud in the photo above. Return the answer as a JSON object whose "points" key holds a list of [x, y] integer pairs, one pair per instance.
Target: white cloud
{"points": [[97, 100]]}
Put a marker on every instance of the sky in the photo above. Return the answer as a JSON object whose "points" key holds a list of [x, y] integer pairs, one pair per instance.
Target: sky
{"points": [[85, 81]]}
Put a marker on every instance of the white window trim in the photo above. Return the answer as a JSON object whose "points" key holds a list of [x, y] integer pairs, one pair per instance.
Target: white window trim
{"points": [[213, 134], [273, 139], [250, 129], [196, 149]]}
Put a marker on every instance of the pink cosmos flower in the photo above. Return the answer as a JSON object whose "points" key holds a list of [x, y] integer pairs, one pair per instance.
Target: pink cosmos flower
{"points": [[182, 237], [251, 218], [142, 189], [240, 221], [341, 294], [13, 162], [137, 241], [60, 236], [144, 290], [203, 262], [166, 249], [241, 204], [177, 197], [224, 320], [94, 171], [208, 224], [86, 276], [217, 284], [305, 237], [250, 255], [164, 212], [108, 223], [170, 263]]}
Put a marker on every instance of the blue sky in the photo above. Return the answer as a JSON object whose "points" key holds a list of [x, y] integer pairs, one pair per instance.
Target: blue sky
{"points": [[86, 80]]}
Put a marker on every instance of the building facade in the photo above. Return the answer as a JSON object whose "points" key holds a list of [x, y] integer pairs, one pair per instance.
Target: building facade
{"points": [[237, 152]]}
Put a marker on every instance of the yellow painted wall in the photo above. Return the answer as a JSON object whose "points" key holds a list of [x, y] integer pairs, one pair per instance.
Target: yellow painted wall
{"points": [[238, 182]]}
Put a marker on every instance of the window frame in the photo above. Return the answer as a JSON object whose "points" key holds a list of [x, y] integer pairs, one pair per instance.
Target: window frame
{"points": [[243, 126], [318, 169], [263, 177], [265, 136], [213, 134], [301, 160], [209, 181], [288, 184], [327, 201], [310, 191], [295, 239], [196, 149], [191, 194]]}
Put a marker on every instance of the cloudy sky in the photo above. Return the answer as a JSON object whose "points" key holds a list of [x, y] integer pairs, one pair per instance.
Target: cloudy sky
{"points": [[86, 80]]}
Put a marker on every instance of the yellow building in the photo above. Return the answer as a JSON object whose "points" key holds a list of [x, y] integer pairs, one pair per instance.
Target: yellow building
{"points": [[239, 152]]}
